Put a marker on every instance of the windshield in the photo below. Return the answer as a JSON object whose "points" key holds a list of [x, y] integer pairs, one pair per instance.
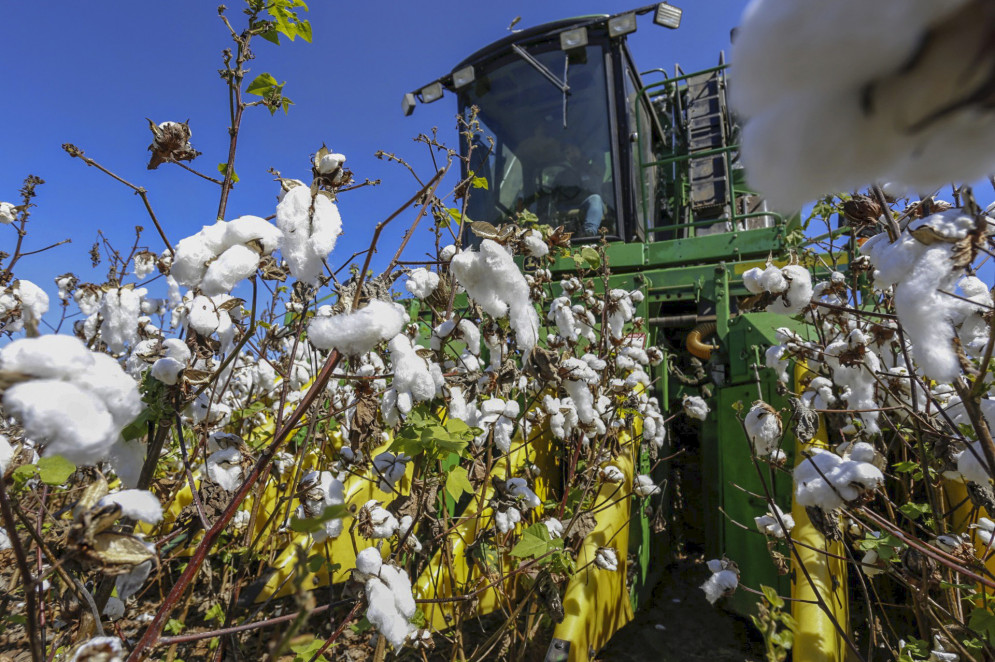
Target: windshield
{"points": [[551, 152]]}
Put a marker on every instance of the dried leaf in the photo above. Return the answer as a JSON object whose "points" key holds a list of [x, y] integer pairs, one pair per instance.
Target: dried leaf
{"points": [[92, 493], [119, 549]]}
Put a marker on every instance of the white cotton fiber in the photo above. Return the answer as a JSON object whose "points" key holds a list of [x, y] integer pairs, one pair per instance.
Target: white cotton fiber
{"points": [[310, 228], [231, 267], [494, 281], [139, 505], [69, 421], [422, 282], [358, 332]]}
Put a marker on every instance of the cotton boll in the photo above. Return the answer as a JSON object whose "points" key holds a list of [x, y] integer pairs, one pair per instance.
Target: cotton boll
{"points": [[422, 282], [358, 332], [8, 213], [6, 454], [494, 281], [695, 407], [724, 580], [606, 558], [797, 292], [612, 474], [54, 356], [229, 269], [308, 237], [376, 522], [139, 505], [390, 468], [167, 370], [412, 377], [519, 489], [223, 468], [554, 526], [67, 420], [972, 464], [100, 649], [203, 316], [535, 245], [383, 613], [129, 583], [644, 486], [763, 427], [369, 560], [769, 525], [752, 280], [505, 520]]}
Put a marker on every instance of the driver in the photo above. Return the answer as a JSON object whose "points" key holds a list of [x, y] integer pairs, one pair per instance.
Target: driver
{"points": [[576, 191]]}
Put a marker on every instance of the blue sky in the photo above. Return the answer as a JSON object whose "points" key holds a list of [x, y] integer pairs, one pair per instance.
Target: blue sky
{"points": [[90, 73]]}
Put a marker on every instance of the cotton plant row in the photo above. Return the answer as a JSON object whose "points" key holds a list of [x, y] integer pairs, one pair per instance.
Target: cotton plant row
{"points": [[142, 369], [897, 342]]}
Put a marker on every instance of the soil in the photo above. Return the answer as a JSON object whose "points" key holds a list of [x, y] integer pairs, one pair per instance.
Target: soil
{"points": [[678, 625]]}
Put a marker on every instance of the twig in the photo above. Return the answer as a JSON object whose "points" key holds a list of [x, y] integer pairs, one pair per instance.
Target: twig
{"points": [[31, 608], [76, 152]]}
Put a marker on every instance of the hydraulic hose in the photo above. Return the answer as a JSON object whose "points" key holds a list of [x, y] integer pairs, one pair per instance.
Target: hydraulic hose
{"points": [[695, 343]]}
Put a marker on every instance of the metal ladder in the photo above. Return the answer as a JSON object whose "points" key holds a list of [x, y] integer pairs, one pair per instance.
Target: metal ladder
{"points": [[706, 131]]}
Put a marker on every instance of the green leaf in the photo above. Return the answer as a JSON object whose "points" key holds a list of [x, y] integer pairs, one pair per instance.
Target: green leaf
{"points": [[215, 613], [457, 482], [479, 182], [223, 169], [262, 85], [305, 650], [535, 542], [773, 598], [174, 626], [304, 30], [312, 524], [905, 467], [286, 103], [914, 510], [137, 427], [24, 473], [982, 621], [55, 469], [591, 256]]}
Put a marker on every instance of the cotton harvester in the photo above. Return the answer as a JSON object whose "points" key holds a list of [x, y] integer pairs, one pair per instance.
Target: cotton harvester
{"points": [[572, 131]]}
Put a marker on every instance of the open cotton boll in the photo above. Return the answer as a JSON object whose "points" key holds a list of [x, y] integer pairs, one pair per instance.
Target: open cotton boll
{"points": [[413, 379], [203, 316], [229, 269], [752, 280], [644, 486], [894, 96], [100, 649], [358, 332], [383, 613], [494, 281], [534, 244], [606, 558], [375, 521], [798, 293], [224, 469], [422, 282], [67, 420], [612, 474], [972, 463], [505, 520], [695, 407], [321, 489], [411, 541], [554, 526], [369, 561], [390, 468], [55, 356], [6, 454], [167, 370], [724, 579], [308, 235], [769, 525], [519, 489], [763, 427], [33, 302], [119, 310], [139, 505]]}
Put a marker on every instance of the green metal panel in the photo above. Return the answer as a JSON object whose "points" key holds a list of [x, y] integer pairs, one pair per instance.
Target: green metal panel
{"points": [[730, 246]]}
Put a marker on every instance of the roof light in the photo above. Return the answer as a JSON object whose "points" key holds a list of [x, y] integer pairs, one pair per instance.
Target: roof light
{"points": [[463, 77], [622, 24], [668, 16], [571, 39], [408, 104], [431, 92]]}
